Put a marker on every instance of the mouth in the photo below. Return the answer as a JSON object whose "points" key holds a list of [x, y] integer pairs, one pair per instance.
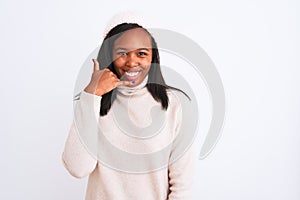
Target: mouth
{"points": [[132, 75]]}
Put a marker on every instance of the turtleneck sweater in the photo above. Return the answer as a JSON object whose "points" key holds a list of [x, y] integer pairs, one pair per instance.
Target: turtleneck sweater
{"points": [[172, 182]]}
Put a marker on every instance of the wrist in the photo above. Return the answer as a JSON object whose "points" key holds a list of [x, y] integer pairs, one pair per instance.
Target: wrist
{"points": [[94, 91], [89, 90]]}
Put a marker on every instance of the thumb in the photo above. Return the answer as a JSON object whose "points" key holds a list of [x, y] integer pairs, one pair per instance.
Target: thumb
{"points": [[96, 65]]}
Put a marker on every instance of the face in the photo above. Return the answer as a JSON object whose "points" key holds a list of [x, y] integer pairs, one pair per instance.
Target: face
{"points": [[132, 54]]}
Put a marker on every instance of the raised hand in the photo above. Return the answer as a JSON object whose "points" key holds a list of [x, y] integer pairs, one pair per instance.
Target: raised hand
{"points": [[103, 81]]}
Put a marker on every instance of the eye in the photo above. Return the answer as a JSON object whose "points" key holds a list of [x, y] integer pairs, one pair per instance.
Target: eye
{"points": [[121, 53], [141, 53]]}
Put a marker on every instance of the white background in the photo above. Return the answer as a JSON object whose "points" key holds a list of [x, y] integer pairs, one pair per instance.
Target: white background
{"points": [[254, 45]]}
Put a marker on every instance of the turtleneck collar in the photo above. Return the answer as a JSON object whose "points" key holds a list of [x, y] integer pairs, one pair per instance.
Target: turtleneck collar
{"points": [[125, 90]]}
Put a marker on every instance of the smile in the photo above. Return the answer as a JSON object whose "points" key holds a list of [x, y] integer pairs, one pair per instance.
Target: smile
{"points": [[132, 75]]}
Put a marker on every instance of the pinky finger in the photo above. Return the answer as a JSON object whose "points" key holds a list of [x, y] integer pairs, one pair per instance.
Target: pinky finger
{"points": [[125, 83]]}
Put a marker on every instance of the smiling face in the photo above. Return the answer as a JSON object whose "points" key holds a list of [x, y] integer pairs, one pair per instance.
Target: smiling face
{"points": [[132, 55]]}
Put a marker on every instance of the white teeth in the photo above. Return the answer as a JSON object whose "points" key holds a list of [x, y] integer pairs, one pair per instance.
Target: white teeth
{"points": [[131, 73]]}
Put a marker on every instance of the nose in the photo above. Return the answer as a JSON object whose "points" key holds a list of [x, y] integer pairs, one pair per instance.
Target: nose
{"points": [[132, 60]]}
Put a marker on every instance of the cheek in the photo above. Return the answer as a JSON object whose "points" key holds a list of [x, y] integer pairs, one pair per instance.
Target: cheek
{"points": [[118, 64], [147, 62], [147, 69]]}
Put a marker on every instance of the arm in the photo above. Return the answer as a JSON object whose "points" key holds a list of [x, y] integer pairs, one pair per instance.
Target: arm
{"points": [[181, 176], [82, 141], [76, 157], [181, 169]]}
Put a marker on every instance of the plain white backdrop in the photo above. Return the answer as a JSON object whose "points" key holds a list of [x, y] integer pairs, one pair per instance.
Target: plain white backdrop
{"points": [[254, 45]]}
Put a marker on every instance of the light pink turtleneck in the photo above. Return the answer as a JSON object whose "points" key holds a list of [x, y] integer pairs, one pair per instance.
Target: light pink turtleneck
{"points": [[173, 182]]}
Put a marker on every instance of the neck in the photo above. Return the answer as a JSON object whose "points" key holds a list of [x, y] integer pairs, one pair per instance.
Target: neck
{"points": [[132, 90]]}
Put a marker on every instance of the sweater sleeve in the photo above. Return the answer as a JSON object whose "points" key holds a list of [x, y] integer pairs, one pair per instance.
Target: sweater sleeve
{"points": [[181, 176], [181, 171], [76, 158]]}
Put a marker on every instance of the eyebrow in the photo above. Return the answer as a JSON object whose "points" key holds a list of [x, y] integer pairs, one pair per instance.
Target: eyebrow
{"points": [[124, 49]]}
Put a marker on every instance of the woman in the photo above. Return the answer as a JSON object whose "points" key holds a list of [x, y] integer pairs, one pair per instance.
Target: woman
{"points": [[127, 76]]}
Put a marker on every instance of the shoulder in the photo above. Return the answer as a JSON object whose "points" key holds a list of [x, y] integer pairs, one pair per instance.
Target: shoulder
{"points": [[175, 98]]}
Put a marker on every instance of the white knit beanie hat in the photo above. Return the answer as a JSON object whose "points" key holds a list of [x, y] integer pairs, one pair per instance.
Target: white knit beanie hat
{"points": [[127, 17]]}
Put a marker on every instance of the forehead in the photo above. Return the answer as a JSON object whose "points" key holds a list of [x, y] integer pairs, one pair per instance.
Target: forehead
{"points": [[134, 39]]}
